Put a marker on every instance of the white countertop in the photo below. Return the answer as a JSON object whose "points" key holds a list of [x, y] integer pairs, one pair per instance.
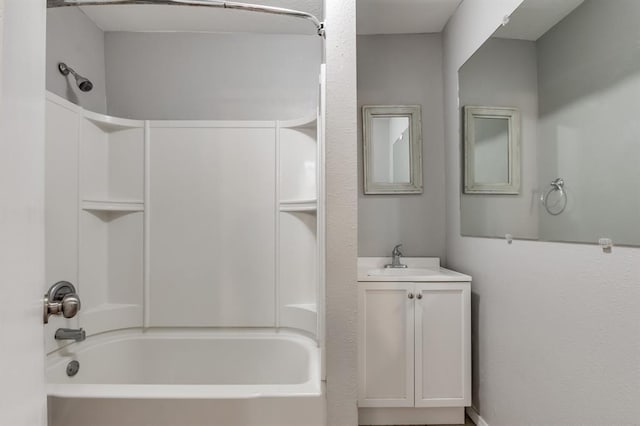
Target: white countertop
{"points": [[430, 267]]}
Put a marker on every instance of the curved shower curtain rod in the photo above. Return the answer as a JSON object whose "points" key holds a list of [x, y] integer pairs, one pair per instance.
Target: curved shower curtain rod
{"points": [[204, 3]]}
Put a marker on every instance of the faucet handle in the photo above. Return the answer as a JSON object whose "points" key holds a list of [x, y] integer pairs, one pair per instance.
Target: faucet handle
{"points": [[396, 250], [61, 299]]}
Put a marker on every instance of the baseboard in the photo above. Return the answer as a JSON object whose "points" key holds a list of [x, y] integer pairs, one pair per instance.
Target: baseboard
{"points": [[475, 417], [411, 416]]}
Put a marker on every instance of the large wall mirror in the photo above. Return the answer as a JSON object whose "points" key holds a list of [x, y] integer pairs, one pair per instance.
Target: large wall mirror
{"points": [[572, 70], [392, 149]]}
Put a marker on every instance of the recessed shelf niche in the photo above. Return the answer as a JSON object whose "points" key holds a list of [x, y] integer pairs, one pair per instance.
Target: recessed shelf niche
{"points": [[298, 225], [111, 228]]}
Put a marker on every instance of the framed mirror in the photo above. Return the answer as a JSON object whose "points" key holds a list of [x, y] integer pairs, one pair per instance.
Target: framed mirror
{"points": [[491, 150], [392, 141]]}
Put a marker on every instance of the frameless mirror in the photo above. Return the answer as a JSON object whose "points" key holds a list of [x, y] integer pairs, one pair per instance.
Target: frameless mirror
{"points": [[571, 68], [491, 150], [392, 149]]}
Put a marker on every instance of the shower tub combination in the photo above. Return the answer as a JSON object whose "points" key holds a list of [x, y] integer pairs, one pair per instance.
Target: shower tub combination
{"points": [[141, 364], [195, 377], [232, 355]]}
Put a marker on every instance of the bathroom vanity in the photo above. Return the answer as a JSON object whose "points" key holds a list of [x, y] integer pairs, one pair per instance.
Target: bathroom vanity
{"points": [[414, 342]]}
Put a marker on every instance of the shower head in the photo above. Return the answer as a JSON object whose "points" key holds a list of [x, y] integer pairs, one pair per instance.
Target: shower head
{"points": [[83, 83]]}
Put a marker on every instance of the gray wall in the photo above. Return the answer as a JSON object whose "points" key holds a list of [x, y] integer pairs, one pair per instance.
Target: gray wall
{"points": [[74, 39], [589, 89], [502, 73], [397, 70], [211, 76], [554, 325], [183, 75]]}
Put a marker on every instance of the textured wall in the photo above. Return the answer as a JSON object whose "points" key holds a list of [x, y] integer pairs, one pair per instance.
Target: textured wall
{"points": [[341, 220], [554, 325], [74, 39], [404, 70]]}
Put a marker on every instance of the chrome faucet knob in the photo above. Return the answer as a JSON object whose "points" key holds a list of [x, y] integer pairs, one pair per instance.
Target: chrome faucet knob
{"points": [[70, 305], [396, 250], [61, 299]]}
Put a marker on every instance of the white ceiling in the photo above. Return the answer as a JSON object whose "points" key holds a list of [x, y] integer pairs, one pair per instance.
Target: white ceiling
{"points": [[152, 18], [535, 17], [403, 16]]}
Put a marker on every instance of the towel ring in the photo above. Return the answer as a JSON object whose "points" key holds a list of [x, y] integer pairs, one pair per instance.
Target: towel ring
{"points": [[557, 207]]}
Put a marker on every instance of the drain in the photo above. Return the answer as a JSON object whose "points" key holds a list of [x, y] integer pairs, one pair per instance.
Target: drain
{"points": [[72, 368]]}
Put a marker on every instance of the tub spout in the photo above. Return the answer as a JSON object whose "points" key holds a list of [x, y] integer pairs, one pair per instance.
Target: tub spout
{"points": [[70, 334]]}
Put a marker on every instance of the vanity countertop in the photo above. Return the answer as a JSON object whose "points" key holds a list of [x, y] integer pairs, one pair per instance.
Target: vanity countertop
{"points": [[419, 269]]}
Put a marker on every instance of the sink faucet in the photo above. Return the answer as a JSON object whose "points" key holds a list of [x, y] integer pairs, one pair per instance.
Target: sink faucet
{"points": [[76, 334], [396, 255]]}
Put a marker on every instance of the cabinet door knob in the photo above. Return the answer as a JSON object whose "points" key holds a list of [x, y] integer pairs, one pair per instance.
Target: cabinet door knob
{"points": [[410, 295], [419, 295]]}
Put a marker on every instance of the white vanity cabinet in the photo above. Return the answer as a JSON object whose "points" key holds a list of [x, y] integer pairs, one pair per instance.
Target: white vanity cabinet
{"points": [[414, 344], [386, 329]]}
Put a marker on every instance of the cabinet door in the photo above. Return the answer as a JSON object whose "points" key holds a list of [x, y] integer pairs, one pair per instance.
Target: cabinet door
{"points": [[443, 340], [385, 344]]}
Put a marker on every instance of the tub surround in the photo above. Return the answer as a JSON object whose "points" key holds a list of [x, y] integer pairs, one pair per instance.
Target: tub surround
{"points": [[138, 223]]}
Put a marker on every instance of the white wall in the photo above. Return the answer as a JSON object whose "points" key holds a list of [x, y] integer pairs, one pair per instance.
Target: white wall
{"points": [[22, 52], [74, 39], [222, 255], [341, 213], [404, 70], [211, 76], [588, 122], [554, 325], [503, 73]]}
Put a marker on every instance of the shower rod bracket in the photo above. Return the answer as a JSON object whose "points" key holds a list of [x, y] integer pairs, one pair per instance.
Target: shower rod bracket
{"points": [[320, 27]]}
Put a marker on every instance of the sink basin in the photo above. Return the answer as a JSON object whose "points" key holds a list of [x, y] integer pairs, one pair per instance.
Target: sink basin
{"points": [[419, 270], [401, 272]]}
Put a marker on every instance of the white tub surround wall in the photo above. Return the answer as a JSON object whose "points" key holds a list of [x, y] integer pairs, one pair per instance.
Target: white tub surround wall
{"points": [[414, 343], [118, 188], [22, 51], [341, 219], [404, 70], [95, 210], [529, 297]]}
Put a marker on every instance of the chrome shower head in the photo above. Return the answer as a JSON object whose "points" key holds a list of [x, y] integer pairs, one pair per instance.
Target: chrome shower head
{"points": [[83, 83]]}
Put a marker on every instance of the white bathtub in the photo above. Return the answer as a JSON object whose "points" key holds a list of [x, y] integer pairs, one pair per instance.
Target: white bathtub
{"points": [[181, 378]]}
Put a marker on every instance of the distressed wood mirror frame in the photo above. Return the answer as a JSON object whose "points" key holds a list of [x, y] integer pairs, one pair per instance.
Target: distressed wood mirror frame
{"points": [[414, 115], [511, 185]]}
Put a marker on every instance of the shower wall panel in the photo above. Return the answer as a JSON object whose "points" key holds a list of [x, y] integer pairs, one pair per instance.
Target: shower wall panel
{"points": [[212, 235]]}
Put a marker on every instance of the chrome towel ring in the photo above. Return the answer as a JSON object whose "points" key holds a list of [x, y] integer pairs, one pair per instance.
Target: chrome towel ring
{"points": [[554, 199]]}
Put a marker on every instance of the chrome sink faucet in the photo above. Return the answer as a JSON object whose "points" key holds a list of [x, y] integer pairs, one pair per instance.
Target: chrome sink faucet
{"points": [[77, 334], [395, 261]]}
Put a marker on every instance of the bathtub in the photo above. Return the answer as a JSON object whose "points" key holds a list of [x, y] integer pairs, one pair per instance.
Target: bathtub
{"points": [[185, 377]]}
